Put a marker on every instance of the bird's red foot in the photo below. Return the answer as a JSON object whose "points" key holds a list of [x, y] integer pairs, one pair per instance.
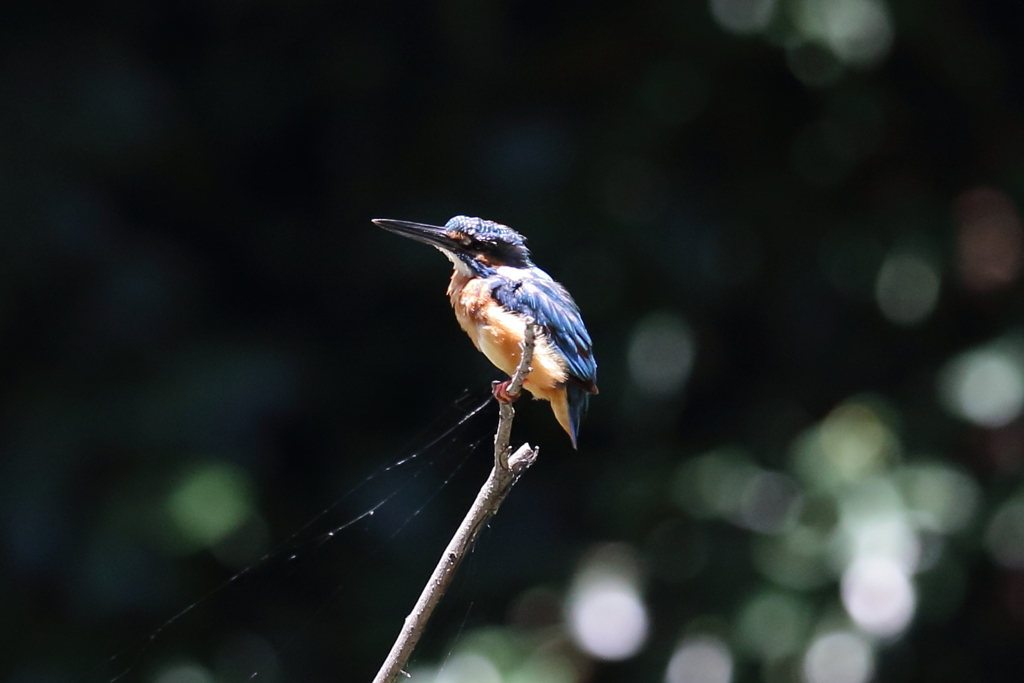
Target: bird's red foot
{"points": [[500, 390]]}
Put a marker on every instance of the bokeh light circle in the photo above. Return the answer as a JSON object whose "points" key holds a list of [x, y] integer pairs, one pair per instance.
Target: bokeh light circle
{"points": [[743, 16], [984, 386], [661, 354], [608, 620], [1005, 535], [907, 288], [839, 657], [878, 596], [703, 659]]}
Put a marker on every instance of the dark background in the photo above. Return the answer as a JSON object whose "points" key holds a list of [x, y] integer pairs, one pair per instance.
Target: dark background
{"points": [[205, 343]]}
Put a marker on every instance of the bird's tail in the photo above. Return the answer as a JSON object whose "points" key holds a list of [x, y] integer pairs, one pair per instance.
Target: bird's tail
{"points": [[578, 400]]}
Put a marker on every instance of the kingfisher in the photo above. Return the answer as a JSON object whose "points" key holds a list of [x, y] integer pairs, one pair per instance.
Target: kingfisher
{"points": [[495, 288]]}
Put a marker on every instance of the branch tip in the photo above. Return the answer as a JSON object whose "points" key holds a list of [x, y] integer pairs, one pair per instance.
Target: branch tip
{"points": [[504, 474]]}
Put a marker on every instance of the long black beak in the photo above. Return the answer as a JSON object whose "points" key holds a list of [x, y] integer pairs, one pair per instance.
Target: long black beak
{"points": [[428, 234]]}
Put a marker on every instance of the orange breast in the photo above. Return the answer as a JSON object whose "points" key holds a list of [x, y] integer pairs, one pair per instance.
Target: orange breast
{"points": [[498, 333]]}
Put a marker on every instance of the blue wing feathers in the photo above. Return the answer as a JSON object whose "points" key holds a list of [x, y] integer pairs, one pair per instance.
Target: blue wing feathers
{"points": [[553, 309]]}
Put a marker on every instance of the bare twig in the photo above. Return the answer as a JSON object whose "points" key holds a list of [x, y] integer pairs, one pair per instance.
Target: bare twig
{"points": [[506, 471]]}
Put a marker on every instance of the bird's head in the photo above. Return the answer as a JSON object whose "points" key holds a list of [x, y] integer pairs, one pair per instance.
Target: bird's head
{"points": [[474, 245]]}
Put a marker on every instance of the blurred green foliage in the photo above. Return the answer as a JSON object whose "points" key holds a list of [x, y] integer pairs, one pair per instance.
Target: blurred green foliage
{"points": [[793, 227]]}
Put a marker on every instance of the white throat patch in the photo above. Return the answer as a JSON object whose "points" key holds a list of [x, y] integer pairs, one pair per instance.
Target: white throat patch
{"points": [[459, 264]]}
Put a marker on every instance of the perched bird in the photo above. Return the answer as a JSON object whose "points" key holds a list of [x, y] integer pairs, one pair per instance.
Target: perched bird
{"points": [[494, 290]]}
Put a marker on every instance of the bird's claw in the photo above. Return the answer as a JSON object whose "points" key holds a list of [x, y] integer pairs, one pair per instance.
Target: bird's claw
{"points": [[501, 393]]}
